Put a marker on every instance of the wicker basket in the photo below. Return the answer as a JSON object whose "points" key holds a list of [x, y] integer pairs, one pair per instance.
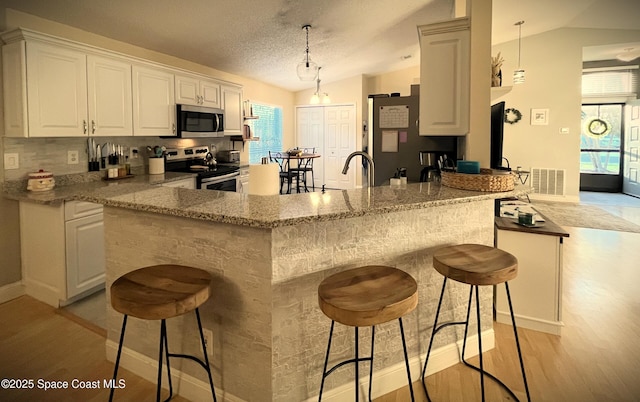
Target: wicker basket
{"points": [[485, 181]]}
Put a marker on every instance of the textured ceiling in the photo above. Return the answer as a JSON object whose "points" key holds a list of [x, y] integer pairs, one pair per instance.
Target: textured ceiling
{"points": [[264, 39]]}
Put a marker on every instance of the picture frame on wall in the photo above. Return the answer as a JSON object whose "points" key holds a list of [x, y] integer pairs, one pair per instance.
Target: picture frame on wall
{"points": [[539, 117]]}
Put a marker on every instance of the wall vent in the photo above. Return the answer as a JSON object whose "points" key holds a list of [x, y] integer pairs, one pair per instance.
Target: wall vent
{"points": [[548, 181]]}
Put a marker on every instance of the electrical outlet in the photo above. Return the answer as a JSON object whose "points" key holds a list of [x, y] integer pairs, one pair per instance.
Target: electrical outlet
{"points": [[208, 340], [133, 153], [72, 158], [11, 161]]}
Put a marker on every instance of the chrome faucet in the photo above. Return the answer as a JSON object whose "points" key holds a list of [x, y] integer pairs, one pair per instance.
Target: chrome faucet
{"points": [[366, 156]]}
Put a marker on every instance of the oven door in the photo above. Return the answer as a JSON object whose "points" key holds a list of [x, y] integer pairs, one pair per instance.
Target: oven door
{"points": [[221, 183]]}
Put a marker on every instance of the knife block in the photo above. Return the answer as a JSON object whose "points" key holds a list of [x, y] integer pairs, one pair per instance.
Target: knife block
{"points": [[156, 165]]}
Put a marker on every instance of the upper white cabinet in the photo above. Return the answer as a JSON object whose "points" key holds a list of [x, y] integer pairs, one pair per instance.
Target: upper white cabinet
{"points": [[444, 77], [154, 112], [55, 91], [54, 87], [109, 96], [197, 92], [232, 105]]}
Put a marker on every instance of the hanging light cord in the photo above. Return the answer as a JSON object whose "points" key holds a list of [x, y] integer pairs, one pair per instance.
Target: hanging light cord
{"points": [[519, 24], [307, 51]]}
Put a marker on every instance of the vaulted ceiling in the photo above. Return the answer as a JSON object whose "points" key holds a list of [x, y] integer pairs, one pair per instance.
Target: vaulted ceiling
{"points": [[264, 39]]}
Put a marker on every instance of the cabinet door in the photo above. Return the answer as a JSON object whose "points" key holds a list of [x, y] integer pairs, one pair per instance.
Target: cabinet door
{"points": [[109, 97], [210, 94], [444, 81], [14, 80], [154, 111], [57, 91], [187, 90], [232, 105], [85, 254]]}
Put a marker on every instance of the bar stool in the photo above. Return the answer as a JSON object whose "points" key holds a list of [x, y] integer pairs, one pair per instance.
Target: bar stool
{"points": [[476, 265], [367, 296], [156, 293]]}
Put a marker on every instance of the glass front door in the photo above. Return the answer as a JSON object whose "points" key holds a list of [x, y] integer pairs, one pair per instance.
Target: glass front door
{"points": [[600, 147]]}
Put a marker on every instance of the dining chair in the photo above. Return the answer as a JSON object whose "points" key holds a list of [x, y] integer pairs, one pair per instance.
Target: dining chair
{"points": [[282, 159], [306, 166]]}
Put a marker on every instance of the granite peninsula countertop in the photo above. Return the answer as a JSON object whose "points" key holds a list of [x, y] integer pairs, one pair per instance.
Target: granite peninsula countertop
{"points": [[144, 193]]}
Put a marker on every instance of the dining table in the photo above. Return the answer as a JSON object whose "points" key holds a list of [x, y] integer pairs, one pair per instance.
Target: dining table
{"points": [[284, 161]]}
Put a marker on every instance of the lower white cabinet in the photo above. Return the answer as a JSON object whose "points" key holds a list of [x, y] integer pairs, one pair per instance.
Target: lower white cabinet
{"points": [[62, 249], [536, 292]]}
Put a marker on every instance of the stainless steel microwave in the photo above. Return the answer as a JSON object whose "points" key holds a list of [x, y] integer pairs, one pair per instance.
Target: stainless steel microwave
{"points": [[198, 121]]}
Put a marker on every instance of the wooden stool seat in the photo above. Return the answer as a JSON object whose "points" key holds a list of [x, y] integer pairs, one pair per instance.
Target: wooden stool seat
{"points": [[367, 296], [475, 264], [160, 291]]}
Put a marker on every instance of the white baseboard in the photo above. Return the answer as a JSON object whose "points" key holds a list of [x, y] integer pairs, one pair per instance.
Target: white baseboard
{"points": [[43, 292], [185, 385], [392, 378], [11, 291], [536, 324]]}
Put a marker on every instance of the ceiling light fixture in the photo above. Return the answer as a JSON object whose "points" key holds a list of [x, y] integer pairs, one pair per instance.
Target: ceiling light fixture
{"points": [[629, 54], [315, 99], [518, 75], [307, 69]]}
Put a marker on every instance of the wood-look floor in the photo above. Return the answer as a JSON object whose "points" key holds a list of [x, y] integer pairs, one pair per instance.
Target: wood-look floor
{"points": [[597, 358], [39, 342]]}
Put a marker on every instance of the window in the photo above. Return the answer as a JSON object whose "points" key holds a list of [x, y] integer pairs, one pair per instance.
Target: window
{"points": [[600, 140], [609, 81], [268, 127]]}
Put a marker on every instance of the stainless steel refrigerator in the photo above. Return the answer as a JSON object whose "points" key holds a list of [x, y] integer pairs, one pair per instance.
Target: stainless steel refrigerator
{"points": [[392, 138]]}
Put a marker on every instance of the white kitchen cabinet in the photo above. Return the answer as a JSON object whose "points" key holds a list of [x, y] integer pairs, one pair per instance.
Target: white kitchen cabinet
{"points": [[198, 92], [189, 183], [62, 250], [444, 77], [154, 111], [84, 240], [242, 184], [109, 97], [536, 292], [55, 91], [232, 105]]}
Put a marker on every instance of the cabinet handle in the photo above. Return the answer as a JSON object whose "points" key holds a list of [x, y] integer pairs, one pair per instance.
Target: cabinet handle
{"points": [[84, 126], [173, 128], [201, 99], [93, 126]]}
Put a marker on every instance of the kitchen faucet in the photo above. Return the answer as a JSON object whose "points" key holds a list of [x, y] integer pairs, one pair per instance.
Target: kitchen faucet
{"points": [[366, 156]]}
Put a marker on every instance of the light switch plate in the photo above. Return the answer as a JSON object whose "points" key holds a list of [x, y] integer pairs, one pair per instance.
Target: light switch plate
{"points": [[11, 161]]}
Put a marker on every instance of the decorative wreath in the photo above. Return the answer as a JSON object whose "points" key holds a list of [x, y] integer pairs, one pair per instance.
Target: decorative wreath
{"points": [[512, 116], [597, 128]]}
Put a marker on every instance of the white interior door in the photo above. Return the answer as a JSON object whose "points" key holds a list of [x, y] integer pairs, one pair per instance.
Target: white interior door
{"points": [[332, 131], [631, 175], [310, 129], [340, 141]]}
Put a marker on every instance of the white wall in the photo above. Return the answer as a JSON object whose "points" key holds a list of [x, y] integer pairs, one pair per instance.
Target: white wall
{"points": [[553, 65]]}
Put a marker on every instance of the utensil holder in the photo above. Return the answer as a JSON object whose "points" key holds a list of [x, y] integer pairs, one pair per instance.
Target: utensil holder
{"points": [[156, 165]]}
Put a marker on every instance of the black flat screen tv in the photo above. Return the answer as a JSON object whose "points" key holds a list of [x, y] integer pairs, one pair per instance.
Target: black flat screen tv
{"points": [[497, 135]]}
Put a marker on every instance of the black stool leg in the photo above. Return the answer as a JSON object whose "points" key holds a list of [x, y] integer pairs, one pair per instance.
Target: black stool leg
{"points": [[480, 343], [206, 357], [115, 370], [357, 364], [373, 334], [166, 352], [326, 361], [433, 333], [160, 357], [406, 362], [515, 332]]}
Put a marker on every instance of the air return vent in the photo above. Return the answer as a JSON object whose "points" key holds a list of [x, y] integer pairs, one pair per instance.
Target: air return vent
{"points": [[548, 181]]}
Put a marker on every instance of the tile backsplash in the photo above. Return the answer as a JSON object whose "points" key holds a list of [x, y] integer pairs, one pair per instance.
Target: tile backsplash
{"points": [[50, 154]]}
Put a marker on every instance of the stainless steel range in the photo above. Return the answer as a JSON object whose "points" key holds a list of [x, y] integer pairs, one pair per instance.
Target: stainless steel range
{"points": [[210, 175]]}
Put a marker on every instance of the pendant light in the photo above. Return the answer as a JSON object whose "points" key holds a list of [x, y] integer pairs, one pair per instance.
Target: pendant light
{"points": [[518, 75], [307, 69], [317, 96]]}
